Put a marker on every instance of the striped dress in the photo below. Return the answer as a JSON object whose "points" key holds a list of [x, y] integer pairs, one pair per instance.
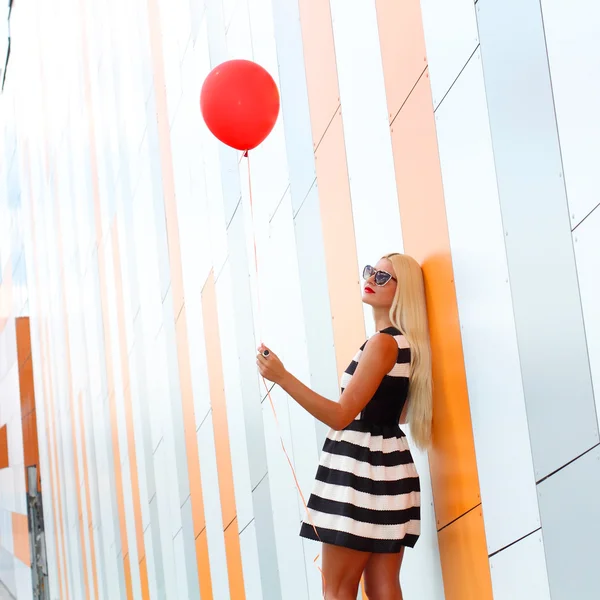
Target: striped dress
{"points": [[367, 495]]}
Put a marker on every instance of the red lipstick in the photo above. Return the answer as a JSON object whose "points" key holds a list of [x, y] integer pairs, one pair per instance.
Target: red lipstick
{"points": [[368, 290]]}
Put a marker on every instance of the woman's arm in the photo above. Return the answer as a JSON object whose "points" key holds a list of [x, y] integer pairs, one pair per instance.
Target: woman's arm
{"points": [[378, 358]]}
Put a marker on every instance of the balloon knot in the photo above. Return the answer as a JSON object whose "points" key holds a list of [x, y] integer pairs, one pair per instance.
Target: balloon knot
{"points": [[246, 154]]}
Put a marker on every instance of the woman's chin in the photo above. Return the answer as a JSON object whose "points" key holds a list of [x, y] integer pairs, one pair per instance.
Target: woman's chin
{"points": [[368, 299]]}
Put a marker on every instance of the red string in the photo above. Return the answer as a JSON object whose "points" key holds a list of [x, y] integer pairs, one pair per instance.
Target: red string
{"points": [[267, 387]]}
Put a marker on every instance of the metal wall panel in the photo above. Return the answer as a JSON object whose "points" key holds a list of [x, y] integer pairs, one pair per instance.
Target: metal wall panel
{"points": [[572, 32], [539, 248], [498, 413], [586, 240], [450, 29], [519, 572], [570, 508]]}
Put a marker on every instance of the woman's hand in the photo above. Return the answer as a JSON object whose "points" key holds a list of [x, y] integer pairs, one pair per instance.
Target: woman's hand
{"points": [[270, 367]]}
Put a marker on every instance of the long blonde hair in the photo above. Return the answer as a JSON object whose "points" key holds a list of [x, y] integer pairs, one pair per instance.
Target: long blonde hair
{"points": [[409, 314]]}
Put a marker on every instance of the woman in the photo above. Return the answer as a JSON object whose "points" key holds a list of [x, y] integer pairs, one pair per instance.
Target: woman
{"points": [[365, 503]]}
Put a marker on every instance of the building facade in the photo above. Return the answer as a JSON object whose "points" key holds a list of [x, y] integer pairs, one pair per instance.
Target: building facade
{"points": [[463, 133]]}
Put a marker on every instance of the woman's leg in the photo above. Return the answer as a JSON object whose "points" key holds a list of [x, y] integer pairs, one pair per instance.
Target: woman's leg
{"points": [[342, 570], [382, 576]]}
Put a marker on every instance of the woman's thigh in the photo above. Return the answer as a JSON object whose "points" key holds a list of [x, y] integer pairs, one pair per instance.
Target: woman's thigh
{"points": [[342, 570], [382, 576]]}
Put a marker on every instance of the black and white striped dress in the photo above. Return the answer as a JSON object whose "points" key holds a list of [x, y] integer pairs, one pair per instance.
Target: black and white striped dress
{"points": [[367, 495]]}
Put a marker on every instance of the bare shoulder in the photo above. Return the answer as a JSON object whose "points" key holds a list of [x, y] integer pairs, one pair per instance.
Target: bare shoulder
{"points": [[380, 347]]}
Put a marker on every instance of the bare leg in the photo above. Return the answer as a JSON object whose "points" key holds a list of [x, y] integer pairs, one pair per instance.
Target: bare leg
{"points": [[382, 576], [342, 570]]}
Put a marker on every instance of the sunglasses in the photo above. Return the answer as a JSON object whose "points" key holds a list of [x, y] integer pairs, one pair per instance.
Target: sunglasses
{"points": [[381, 277]]}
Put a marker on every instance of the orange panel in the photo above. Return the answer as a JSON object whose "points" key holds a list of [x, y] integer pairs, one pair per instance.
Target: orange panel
{"points": [[133, 469], [23, 339], [144, 578], [3, 447], [189, 426], [465, 564], [340, 244], [425, 231], [203, 565], [221, 431], [217, 399], [234, 560], [30, 441], [320, 65], [128, 584], [87, 89], [26, 387], [88, 497], [20, 529], [52, 413], [179, 315], [86, 578], [402, 48]]}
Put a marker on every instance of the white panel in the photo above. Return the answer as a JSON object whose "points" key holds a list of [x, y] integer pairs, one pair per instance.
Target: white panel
{"points": [[14, 431], [290, 553], [171, 474], [451, 37], [212, 510], [239, 42], [234, 401], [572, 32], [161, 470], [367, 133], [214, 194], [7, 570], [20, 490], [285, 333], [7, 541], [587, 254], [421, 574], [250, 564], [139, 440], [270, 177], [519, 572], [23, 581], [498, 413], [171, 54]]}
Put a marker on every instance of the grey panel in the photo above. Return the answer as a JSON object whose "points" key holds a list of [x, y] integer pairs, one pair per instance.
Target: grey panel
{"points": [[267, 552], [315, 302], [159, 572], [189, 543], [294, 99], [570, 509], [157, 195], [545, 292]]}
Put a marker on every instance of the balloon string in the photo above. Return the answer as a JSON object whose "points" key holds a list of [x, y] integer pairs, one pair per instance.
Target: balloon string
{"points": [[296, 482]]}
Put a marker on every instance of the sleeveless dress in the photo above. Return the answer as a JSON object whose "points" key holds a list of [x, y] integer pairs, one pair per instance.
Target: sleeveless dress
{"points": [[366, 494]]}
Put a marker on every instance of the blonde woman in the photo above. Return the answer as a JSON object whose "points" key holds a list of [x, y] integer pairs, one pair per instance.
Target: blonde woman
{"points": [[366, 498]]}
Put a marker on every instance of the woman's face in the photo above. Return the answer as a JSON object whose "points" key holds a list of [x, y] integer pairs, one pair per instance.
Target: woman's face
{"points": [[379, 296]]}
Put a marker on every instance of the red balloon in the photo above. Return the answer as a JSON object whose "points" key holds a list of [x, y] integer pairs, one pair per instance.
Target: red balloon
{"points": [[240, 103]]}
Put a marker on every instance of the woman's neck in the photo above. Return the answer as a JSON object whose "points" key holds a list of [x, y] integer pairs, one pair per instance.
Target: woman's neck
{"points": [[382, 319]]}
